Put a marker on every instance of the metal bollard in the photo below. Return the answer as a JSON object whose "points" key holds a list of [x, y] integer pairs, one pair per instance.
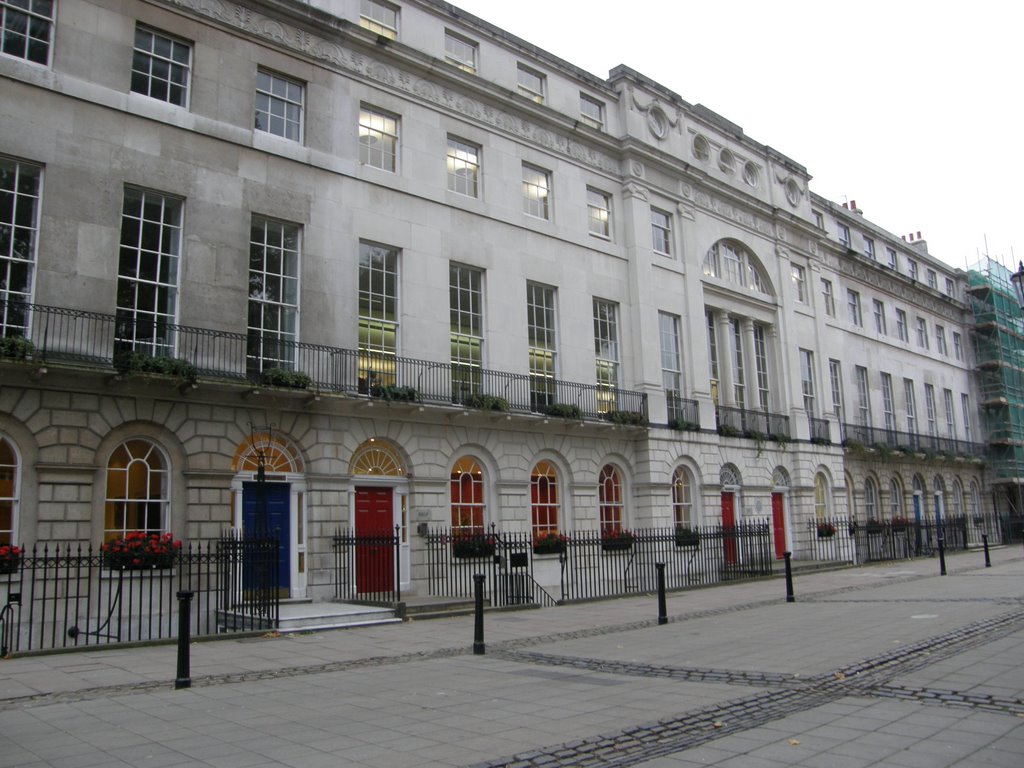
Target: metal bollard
{"points": [[478, 626], [789, 577], [662, 609], [942, 556], [183, 679], [984, 543]]}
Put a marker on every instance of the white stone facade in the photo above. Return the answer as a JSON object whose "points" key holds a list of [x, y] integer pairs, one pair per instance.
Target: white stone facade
{"points": [[76, 121]]}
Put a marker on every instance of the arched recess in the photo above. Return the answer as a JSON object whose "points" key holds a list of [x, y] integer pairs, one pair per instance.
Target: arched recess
{"points": [[895, 498], [611, 499], [379, 505], [10, 491], [781, 522], [938, 500], [918, 503], [268, 495], [731, 515], [734, 263]]}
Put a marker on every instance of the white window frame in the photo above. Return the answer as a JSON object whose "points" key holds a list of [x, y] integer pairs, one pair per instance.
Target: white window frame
{"points": [[379, 133], [843, 234], [853, 308], [536, 192], [20, 21], [869, 247], [280, 100], [902, 332], [880, 324], [591, 112], [599, 213], [275, 252], [922, 333], [661, 232], [888, 411], [799, 277], [168, 70], [461, 52], [463, 167], [21, 189], [380, 18], [828, 295], [530, 83]]}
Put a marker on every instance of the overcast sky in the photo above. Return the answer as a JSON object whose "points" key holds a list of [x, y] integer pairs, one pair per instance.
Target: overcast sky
{"points": [[913, 109]]}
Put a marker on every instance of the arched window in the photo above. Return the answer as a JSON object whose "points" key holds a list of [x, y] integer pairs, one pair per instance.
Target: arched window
{"points": [[609, 491], [8, 492], [137, 492], [820, 496], [732, 263], [895, 498], [956, 501], [975, 500], [467, 497], [682, 498], [544, 498], [870, 499]]}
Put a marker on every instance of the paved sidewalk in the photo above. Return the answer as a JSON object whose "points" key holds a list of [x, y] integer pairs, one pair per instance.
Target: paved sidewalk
{"points": [[888, 665]]}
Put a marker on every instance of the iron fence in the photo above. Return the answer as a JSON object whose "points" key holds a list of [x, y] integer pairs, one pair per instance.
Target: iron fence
{"points": [[820, 431], [68, 595], [842, 539], [586, 564], [368, 567], [752, 423], [92, 339], [886, 441]]}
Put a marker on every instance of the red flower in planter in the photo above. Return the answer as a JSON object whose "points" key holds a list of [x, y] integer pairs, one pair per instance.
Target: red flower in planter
{"points": [[139, 549], [10, 558]]}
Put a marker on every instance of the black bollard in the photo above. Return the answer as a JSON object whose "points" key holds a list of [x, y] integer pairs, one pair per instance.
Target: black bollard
{"points": [[789, 577], [942, 556], [662, 609], [478, 626], [984, 543], [184, 679]]}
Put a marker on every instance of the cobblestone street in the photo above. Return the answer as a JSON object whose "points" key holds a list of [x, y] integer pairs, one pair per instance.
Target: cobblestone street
{"points": [[884, 665]]}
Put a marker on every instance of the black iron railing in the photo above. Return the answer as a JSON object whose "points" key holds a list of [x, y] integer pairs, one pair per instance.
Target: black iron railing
{"points": [[587, 564], [858, 436], [842, 539], [683, 413], [740, 422], [368, 567], [820, 431], [67, 595], [91, 339]]}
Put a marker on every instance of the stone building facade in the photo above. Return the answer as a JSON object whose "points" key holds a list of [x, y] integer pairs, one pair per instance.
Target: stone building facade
{"points": [[428, 273]]}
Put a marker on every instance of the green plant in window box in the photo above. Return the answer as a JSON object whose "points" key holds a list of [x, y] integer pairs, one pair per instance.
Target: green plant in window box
{"points": [[472, 545], [16, 348], [728, 430], [682, 425], [280, 377], [626, 418], [687, 536], [486, 402], [395, 394], [127, 363], [564, 411]]}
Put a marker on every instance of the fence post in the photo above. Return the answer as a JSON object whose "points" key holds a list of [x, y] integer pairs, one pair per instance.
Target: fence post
{"points": [[662, 610], [184, 679], [478, 626], [942, 554], [984, 543], [789, 577]]}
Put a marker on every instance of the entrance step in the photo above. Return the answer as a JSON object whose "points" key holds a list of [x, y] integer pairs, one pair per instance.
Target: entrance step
{"points": [[307, 616], [430, 607]]}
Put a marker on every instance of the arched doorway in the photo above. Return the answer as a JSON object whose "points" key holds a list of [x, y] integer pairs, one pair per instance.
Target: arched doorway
{"points": [[780, 511], [729, 479], [268, 497], [379, 507]]}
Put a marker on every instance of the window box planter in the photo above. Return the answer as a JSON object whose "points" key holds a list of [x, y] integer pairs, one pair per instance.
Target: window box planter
{"points": [[470, 545], [626, 418], [826, 530], [873, 527], [687, 537], [16, 348], [279, 377], [617, 540], [682, 425], [899, 524], [139, 551], [394, 394], [10, 559], [132, 363], [550, 544], [563, 411]]}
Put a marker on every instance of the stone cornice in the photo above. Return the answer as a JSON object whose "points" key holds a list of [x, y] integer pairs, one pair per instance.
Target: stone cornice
{"points": [[886, 280], [331, 53]]}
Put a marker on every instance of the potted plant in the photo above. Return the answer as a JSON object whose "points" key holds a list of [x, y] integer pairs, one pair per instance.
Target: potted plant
{"points": [[279, 377], [564, 411], [682, 425], [550, 543], [686, 536], [16, 347], [826, 530], [899, 523], [139, 550], [873, 526], [617, 539], [486, 402], [10, 558], [396, 394], [626, 418], [466, 545], [131, 362], [728, 430]]}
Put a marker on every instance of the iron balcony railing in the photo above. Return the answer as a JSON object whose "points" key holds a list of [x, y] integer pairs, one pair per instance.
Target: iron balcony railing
{"points": [[820, 431], [891, 440], [76, 337], [753, 424], [682, 412]]}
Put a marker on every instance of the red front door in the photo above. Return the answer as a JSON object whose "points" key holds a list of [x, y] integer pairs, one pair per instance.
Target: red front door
{"points": [[729, 526], [778, 525], [375, 529]]}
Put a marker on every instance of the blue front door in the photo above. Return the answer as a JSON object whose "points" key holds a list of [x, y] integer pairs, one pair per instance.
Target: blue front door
{"points": [[273, 521]]}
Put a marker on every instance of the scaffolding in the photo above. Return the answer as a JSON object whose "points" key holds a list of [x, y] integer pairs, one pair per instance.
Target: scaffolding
{"points": [[997, 333]]}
